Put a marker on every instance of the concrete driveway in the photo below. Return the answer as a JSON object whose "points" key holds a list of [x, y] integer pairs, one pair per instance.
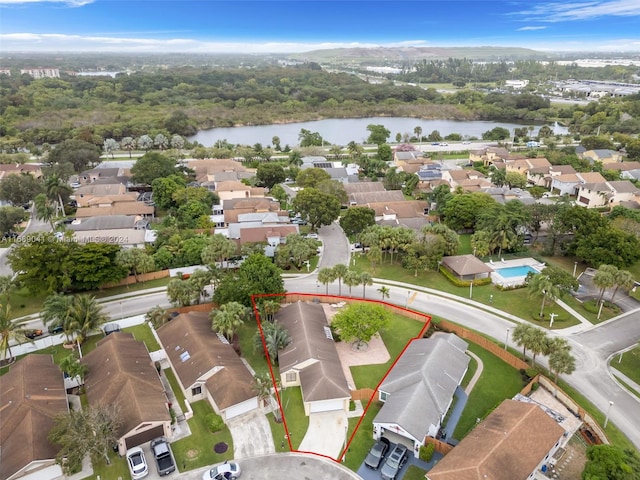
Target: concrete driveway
{"points": [[251, 435], [326, 434]]}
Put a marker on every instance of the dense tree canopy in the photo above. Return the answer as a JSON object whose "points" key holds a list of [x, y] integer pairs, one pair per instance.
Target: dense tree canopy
{"points": [[317, 207], [152, 165]]}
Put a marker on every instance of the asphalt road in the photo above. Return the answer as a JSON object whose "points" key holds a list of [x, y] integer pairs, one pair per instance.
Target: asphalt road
{"points": [[33, 226]]}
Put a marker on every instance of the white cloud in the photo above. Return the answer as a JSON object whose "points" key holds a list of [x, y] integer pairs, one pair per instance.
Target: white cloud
{"points": [[528, 29], [586, 10]]}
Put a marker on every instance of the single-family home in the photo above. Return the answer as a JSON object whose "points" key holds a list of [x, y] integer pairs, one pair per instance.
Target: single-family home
{"points": [[363, 198], [606, 194], [488, 155], [115, 205], [206, 365], [505, 194], [32, 394], [114, 175], [120, 372], [513, 443], [456, 177], [99, 189], [568, 183], [228, 189], [603, 155], [419, 389], [311, 360], [542, 176], [20, 168], [360, 187], [85, 200], [628, 170], [407, 213], [522, 166]]}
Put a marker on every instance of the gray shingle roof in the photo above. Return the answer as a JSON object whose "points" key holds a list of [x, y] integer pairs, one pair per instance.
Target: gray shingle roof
{"points": [[422, 383]]}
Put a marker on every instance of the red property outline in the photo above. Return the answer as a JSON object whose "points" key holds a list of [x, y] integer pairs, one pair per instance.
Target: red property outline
{"points": [[427, 322]]}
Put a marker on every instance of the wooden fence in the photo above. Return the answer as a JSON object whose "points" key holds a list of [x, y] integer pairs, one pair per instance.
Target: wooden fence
{"points": [[142, 277]]}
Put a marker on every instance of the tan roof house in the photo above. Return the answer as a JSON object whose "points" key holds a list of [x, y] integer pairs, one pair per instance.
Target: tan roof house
{"points": [[99, 189], [116, 207], [542, 176], [20, 168], [360, 187], [32, 393], [567, 184], [457, 177], [522, 166], [488, 155], [85, 200], [606, 194], [512, 443], [207, 367], [418, 391], [364, 198], [311, 360], [234, 189], [466, 267], [603, 155], [120, 372]]}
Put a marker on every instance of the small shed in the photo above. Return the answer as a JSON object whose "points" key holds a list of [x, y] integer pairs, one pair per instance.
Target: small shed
{"points": [[466, 267]]}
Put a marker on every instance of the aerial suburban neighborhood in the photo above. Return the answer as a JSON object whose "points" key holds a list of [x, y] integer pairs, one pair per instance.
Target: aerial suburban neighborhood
{"points": [[360, 262]]}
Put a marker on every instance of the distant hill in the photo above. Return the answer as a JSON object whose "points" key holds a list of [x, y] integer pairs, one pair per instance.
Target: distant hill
{"points": [[387, 55]]}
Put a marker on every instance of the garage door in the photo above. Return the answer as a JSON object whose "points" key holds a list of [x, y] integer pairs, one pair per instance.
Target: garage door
{"points": [[326, 406], [394, 437], [143, 437], [240, 408]]}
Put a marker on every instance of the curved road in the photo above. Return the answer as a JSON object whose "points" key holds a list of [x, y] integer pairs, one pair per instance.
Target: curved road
{"points": [[592, 347]]}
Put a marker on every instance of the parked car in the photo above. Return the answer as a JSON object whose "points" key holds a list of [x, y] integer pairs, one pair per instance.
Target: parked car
{"points": [[312, 235], [377, 453], [56, 329], [111, 328], [137, 463], [444, 144], [226, 471], [35, 333], [394, 463], [162, 454]]}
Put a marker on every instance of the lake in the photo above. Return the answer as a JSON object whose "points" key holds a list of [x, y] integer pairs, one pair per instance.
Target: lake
{"points": [[344, 130]]}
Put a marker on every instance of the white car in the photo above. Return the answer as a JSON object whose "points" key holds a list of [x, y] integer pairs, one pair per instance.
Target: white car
{"points": [[312, 235], [226, 471], [137, 463]]}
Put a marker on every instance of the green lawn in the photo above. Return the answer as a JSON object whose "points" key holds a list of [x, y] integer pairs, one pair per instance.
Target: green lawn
{"points": [[254, 356], [173, 381], [395, 338], [498, 382], [414, 473], [363, 439], [117, 469], [196, 450], [297, 421], [630, 364], [144, 334]]}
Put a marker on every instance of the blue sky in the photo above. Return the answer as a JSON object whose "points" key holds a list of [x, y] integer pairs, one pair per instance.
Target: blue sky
{"points": [[265, 26]]}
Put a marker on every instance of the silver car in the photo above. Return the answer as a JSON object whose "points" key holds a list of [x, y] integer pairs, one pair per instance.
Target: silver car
{"points": [[137, 463], [394, 463]]}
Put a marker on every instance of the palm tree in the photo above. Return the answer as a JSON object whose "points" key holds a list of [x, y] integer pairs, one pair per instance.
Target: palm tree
{"points": [[365, 280], [384, 292], [276, 337], [351, 279], [128, 144], [604, 278], [418, 131], [44, 210], [521, 335], [9, 331], [339, 271], [56, 312], [262, 387], [56, 188], [561, 361], [622, 279], [85, 315], [268, 308], [158, 316], [136, 261], [541, 284], [538, 343], [72, 367], [326, 276], [228, 319]]}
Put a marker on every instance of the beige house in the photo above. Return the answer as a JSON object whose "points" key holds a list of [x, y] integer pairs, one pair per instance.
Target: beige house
{"points": [[116, 206], [311, 360], [512, 443], [543, 176], [229, 189], [20, 168], [603, 155], [364, 198], [121, 373], [522, 166], [206, 365], [489, 155], [90, 200], [32, 393], [606, 194], [567, 184], [458, 177]]}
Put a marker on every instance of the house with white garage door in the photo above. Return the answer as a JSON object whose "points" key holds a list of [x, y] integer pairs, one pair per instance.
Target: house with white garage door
{"points": [[207, 366], [419, 389], [311, 360], [120, 372]]}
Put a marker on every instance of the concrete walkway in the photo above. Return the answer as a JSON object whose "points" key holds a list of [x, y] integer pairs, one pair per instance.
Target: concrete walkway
{"points": [[618, 374], [326, 434], [476, 375]]}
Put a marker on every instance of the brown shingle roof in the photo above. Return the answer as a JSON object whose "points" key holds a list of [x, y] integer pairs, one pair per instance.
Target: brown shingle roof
{"points": [[324, 378], [362, 198], [191, 332], [359, 187], [120, 208], [260, 234], [120, 371], [508, 445], [403, 209], [213, 165], [32, 393], [100, 189], [465, 265]]}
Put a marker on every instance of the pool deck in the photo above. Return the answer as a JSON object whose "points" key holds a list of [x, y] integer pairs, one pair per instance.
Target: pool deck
{"points": [[516, 262]]}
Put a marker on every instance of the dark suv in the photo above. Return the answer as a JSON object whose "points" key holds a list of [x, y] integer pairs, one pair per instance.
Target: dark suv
{"points": [[376, 454], [394, 463]]}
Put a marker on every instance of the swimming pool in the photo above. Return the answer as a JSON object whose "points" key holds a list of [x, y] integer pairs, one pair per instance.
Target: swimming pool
{"points": [[519, 271]]}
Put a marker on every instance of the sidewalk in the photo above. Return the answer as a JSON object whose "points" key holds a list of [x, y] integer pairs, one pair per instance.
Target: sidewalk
{"points": [[617, 373]]}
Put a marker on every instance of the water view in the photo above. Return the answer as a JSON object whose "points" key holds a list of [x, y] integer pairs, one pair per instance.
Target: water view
{"points": [[342, 131]]}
